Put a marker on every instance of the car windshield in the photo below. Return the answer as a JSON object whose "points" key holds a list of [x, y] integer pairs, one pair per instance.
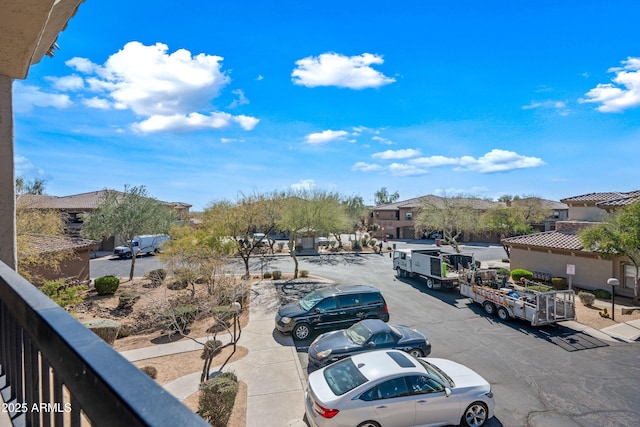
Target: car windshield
{"points": [[343, 376], [438, 373], [358, 334], [310, 300]]}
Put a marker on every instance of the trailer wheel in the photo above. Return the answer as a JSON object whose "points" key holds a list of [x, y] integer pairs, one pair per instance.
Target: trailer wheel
{"points": [[503, 314], [429, 283], [489, 308]]}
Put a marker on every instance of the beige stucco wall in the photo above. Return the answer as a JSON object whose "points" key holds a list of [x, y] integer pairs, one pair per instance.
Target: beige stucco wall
{"points": [[591, 272], [586, 213]]}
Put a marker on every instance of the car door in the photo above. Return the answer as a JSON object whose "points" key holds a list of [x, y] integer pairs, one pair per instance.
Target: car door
{"points": [[392, 403], [326, 314], [351, 309], [432, 406]]}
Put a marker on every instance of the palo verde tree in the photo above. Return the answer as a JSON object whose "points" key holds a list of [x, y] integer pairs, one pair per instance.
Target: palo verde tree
{"points": [[451, 215], [126, 215], [355, 214], [618, 235], [309, 211], [239, 220]]}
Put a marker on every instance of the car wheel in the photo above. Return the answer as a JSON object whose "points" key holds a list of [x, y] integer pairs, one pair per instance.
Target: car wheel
{"points": [[503, 314], [369, 424], [429, 283], [475, 415], [302, 331], [490, 308], [128, 255], [416, 352]]}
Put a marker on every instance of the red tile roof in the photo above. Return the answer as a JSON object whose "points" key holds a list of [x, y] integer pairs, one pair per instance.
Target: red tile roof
{"points": [[48, 244], [547, 239]]}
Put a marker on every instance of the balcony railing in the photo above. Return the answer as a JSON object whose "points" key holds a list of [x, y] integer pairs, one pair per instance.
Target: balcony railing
{"points": [[55, 372]]}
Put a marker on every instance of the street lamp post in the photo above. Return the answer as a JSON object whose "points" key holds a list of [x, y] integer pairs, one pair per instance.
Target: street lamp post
{"points": [[613, 282]]}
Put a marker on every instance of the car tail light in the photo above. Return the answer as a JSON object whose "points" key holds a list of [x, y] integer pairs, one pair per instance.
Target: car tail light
{"points": [[386, 309], [489, 394], [326, 412]]}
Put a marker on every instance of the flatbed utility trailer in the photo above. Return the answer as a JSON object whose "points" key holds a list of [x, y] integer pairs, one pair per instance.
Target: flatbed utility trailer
{"points": [[439, 269], [538, 308]]}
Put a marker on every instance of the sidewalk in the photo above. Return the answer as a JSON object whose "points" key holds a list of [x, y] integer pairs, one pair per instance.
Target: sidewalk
{"points": [[271, 369]]}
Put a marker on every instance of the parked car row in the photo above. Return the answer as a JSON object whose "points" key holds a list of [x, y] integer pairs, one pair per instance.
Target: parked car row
{"points": [[373, 374]]}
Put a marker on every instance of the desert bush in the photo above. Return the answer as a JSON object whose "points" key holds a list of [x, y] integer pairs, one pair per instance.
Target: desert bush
{"points": [[107, 285], [210, 349], [587, 298], [156, 276], [277, 275], [280, 246], [177, 285], [503, 271], [559, 282], [356, 245], [127, 299], [519, 273], [223, 313], [604, 313], [124, 332], [179, 318], [217, 397], [62, 293], [150, 370], [602, 294], [304, 273], [267, 275]]}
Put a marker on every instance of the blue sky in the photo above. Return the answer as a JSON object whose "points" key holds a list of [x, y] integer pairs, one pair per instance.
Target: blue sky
{"points": [[200, 101]]}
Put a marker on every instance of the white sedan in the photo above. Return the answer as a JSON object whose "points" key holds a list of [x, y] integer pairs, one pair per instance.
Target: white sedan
{"points": [[390, 388]]}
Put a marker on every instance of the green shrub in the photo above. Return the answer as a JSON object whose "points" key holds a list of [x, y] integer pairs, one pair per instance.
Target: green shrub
{"points": [[267, 275], [210, 349], [602, 294], [503, 271], [107, 285], [277, 275], [559, 282], [604, 313], [156, 276], [62, 293], [356, 245], [587, 298], [181, 317], [223, 313], [150, 370], [518, 273], [304, 273], [217, 397]]}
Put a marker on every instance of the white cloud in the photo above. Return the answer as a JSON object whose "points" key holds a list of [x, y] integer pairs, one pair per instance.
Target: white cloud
{"points": [[620, 95], [304, 185], [242, 99], [99, 103], [498, 161], [326, 136], [333, 69], [366, 167], [171, 91], [25, 97], [67, 83], [558, 106], [435, 161], [403, 169], [22, 165], [382, 140], [230, 140], [396, 154], [193, 121]]}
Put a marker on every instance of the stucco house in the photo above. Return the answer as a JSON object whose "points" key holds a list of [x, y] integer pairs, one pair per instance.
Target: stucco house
{"points": [[75, 205], [560, 253]]}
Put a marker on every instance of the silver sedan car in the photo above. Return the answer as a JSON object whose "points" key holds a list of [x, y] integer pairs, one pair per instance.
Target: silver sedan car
{"points": [[391, 388]]}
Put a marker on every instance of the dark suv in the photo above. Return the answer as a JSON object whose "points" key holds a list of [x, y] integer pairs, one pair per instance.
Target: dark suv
{"points": [[335, 307]]}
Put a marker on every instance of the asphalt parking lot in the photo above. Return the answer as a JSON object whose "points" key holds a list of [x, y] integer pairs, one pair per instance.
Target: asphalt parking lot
{"points": [[550, 376]]}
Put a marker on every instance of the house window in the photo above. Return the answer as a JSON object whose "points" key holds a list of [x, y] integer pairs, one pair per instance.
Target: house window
{"points": [[556, 214], [408, 216], [629, 276]]}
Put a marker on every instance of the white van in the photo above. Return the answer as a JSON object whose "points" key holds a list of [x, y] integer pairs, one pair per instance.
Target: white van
{"points": [[143, 244]]}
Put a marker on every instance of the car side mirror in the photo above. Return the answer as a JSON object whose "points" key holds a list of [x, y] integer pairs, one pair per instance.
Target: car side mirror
{"points": [[447, 391], [371, 344], [317, 310]]}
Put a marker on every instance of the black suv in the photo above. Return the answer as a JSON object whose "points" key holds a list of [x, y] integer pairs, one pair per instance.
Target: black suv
{"points": [[335, 307]]}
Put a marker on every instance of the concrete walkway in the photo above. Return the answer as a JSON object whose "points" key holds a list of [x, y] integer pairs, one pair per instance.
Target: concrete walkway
{"points": [[271, 369]]}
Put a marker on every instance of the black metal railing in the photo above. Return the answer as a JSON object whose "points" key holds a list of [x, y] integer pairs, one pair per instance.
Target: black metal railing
{"points": [[55, 372]]}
